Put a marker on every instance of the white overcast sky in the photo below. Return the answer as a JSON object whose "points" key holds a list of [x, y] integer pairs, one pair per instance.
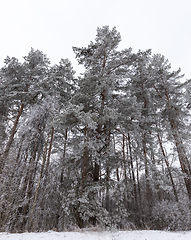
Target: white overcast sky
{"points": [[54, 26]]}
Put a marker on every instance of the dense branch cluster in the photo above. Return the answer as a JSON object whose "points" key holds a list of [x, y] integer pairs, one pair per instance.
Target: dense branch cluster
{"points": [[109, 148]]}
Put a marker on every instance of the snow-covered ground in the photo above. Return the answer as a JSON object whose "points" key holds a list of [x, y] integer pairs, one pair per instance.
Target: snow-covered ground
{"points": [[101, 235]]}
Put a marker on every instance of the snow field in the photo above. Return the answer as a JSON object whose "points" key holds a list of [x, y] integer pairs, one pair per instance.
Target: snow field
{"points": [[120, 235]]}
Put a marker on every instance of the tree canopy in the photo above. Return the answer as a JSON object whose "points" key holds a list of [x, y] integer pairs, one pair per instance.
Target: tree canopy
{"points": [[110, 147]]}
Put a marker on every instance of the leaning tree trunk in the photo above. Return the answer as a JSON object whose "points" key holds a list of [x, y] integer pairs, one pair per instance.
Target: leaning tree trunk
{"points": [[10, 140], [45, 158], [168, 167], [184, 163], [183, 159]]}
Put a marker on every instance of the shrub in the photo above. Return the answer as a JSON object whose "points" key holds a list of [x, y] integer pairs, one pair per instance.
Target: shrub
{"points": [[173, 216]]}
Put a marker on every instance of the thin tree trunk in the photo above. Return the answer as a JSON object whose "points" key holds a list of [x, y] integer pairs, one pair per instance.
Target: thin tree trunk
{"points": [[148, 186], [49, 153], [133, 173], [64, 157], [138, 182], [85, 158], [124, 158], [184, 163], [117, 169], [28, 187], [168, 167], [40, 177], [11, 137], [107, 205], [182, 159]]}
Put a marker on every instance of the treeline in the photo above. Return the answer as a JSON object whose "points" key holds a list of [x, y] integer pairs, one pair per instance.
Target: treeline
{"points": [[110, 147]]}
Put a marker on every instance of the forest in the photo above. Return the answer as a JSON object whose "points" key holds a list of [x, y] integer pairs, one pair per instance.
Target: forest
{"points": [[110, 147]]}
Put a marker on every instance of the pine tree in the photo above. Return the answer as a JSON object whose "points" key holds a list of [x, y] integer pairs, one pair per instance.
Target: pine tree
{"points": [[105, 70], [93, 149]]}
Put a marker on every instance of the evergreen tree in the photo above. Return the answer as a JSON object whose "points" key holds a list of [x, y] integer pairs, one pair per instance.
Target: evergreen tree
{"points": [[94, 149]]}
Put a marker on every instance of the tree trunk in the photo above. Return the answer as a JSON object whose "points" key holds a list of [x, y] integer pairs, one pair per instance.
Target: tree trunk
{"points": [[168, 167], [133, 173], [85, 158], [49, 152], [184, 163], [41, 174], [11, 137], [148, 185], [63, 159]]}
